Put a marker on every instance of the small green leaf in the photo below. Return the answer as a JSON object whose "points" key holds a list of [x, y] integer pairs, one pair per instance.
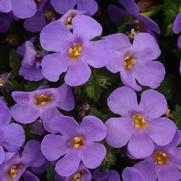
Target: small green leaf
{"points": [[177, 116]]}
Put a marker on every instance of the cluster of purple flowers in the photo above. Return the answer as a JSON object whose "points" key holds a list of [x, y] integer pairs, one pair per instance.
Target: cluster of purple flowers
{"points": [[71, 46]]}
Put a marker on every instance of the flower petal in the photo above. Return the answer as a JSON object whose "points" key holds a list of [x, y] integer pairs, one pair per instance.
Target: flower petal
{"points": [[5, 114], [28, 176], [5, 6], [153, 104], [146, 45], [69, 164], [23, 9], [53, 146], [24, 113], [140, 146], [88, 6], [97, 54], [53, 65], [78, 73], [55, 37], [93, 128], [13, 137], [170, 172], [123, 101], [93, 154], [119, 131], [150, 74], [63, 6], [86, 27], [132, 174], [177, 23], [66, 98], [2, 155], [162, 131]]}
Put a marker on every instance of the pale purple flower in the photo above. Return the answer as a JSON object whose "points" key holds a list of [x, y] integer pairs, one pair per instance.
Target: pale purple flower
{"points": [[31, 63], [140, 126], [68, 17], [74, 51], [11, 134], [177, 28], [21, 9], [44, 15], [41, 103], [135, 61], [164, 164], [89, 6], [75, 144], [82, 174], [106, 175], [141, 23], [132, 174], [5, 22], [16, 164]]}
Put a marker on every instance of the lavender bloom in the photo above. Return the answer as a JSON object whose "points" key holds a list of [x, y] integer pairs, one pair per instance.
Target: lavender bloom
{"points": [[68, 17], [141, 23], [31, 64], [21, 9], [82, 174], [177, 28], [141, 125], [106, 175], [41, 103], [164, 164], [132, 174], [74, 51], [11, 135], [89, 6], [16, 164], [44, 15], [135, 61], [75, 144]]}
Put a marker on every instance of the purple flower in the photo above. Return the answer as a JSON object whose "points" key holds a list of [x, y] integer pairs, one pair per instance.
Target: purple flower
{"points": [[132, 174], [141, 23], [31, 64], [11, 134], [106, 175], [74, 52], [41, 103], [16, 164], [68, 17], [164, 164], [44, 15], [21, 9], [89, 6], [177, 28], [82, 174], [75, 144], [135, 61], [141, 125], [5, 22]]}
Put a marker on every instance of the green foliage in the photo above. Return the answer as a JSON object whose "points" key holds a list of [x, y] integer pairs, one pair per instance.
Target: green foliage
{"points": [[177, 116]]}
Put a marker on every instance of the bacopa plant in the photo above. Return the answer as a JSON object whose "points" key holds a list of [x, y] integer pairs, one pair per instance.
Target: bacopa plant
{"points": [[90, 90]]}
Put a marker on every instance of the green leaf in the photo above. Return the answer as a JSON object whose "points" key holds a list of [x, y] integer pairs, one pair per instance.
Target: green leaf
{"points": [[14, 62], [50, 173]]}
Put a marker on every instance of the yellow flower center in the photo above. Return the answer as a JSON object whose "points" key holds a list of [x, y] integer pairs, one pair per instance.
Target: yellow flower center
{"points": [[75, 51], [139, 121], [161, 158], [129, 62], [13, 171], [138, 25], [68, 20], [77, 141], [42, 100], [77, 176], [49, 14]]}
